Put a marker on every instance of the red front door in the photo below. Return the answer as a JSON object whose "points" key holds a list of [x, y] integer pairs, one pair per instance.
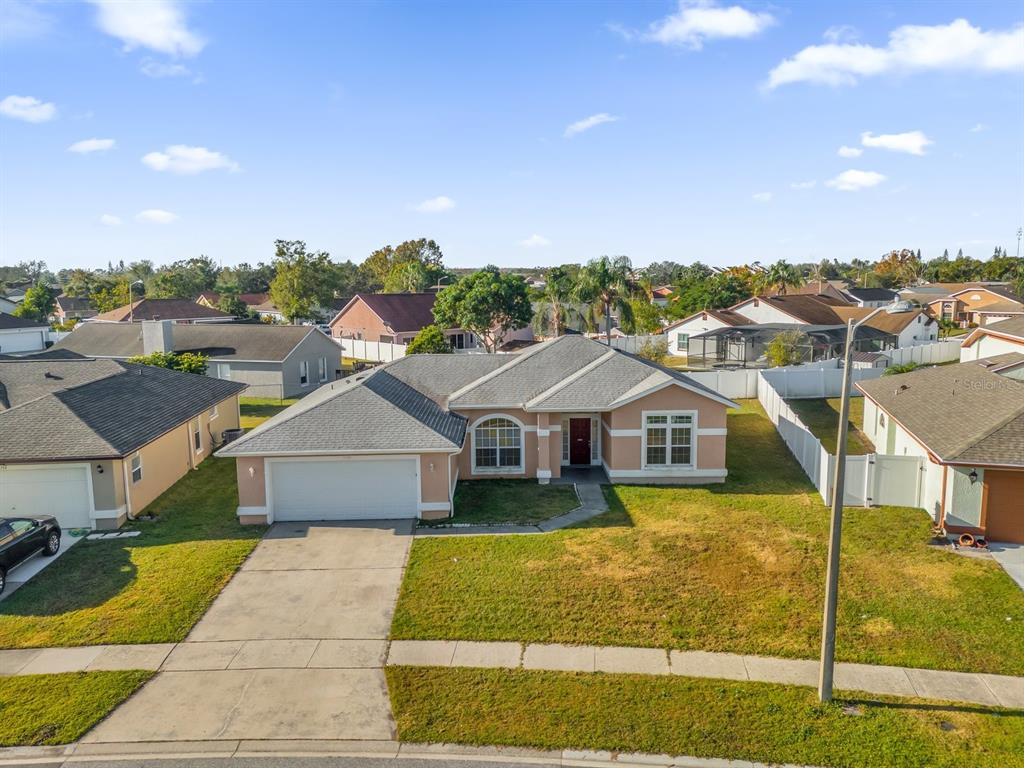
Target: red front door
{"points": [[579, 441]]}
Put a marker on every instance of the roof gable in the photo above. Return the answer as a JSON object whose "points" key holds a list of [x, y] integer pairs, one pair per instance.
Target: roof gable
{"points": [[401, 312], [161, 309]]}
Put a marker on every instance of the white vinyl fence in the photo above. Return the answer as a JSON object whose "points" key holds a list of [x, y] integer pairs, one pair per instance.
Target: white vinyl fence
{"points": [[927, 354], [371, 351], [871, 480], [631, 343]]}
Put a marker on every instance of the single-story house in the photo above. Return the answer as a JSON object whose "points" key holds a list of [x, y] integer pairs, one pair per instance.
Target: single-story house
{"points": [[176, 310], [830, 289], [871, 297], [93, 442], [392, 442], [71, 308], [912, 327], [967, 421], [661, 295], [394, 318], [260, 304], [994, 339], [746, 346], [271, 360], [18, 335], [7, 305], [679, 332], [977, 305]]}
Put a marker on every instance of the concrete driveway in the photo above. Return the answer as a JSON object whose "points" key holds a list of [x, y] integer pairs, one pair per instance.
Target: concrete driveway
{"points": [[293, 648]]}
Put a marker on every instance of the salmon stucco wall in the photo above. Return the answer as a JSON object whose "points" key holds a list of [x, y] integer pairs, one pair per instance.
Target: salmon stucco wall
{"points": [[252, 485], [529, 422], [361, 322]]}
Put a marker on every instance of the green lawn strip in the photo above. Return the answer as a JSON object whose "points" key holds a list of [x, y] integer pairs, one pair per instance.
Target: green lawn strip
{"points": [[821, 416], [255, 410], [148, 589], [509, 501], [737, 567], [58, 709], [695, 717]]}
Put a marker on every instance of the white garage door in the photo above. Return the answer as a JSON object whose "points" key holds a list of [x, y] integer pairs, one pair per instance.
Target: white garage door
{"points": [[356, 489], [61, 491], [21, 341]]}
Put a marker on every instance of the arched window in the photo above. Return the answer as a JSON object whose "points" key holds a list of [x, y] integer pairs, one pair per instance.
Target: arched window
{"points": [[498, 445]]}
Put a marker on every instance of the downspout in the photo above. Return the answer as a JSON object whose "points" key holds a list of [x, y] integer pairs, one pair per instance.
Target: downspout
{"points": [[127, 491], [942, 503]]}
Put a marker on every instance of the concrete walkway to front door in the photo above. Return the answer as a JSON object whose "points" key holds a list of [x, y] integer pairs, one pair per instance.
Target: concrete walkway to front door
{"points": [[293, 648]]}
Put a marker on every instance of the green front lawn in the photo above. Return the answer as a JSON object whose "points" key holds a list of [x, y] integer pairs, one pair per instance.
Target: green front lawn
{"points": [[255, 410], [821, 416], [736, 567], [58, 709], [695, 717], [513, 502], [148, 589]]}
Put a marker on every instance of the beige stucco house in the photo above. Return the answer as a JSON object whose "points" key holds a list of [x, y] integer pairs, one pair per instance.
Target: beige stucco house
{"points": [[394, 441], [93, 442]]}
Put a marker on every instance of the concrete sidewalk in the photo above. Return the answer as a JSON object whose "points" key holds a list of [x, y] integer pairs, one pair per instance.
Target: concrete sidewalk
{"points": [[973, 688]]}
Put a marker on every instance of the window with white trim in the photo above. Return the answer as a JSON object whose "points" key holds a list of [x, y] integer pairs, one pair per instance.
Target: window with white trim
{"points": [[136, 468], [498, 445], [303, 373], [682, 339], [669, 440], [565, 439], [322, 368], [595, 440]]}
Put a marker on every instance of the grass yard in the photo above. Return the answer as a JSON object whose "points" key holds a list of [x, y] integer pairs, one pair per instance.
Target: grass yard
{"points": [[821, 416], [520, 502], [148, 589], [58, 709], [736, 567], [695, 717], [256, 410]]}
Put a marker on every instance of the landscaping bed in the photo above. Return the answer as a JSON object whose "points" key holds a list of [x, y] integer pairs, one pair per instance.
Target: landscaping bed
{"points": [[736, 567], [821, 416], [151, 588], [695, 717], [58, 709], [508, 502]]}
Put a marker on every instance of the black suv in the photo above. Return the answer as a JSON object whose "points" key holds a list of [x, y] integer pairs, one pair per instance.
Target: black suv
{"points": [[23, 537]]}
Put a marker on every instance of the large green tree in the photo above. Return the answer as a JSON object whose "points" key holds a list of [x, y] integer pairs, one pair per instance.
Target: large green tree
{"points": [[430, 340], [778, 278], [379, 264], [303, 283], [37, 304], [553, 307], [604, 284], [488, 303], [184, 279]]}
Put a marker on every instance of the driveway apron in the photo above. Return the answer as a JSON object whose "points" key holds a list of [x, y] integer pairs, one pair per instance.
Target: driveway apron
{"points": [[293, 648]]}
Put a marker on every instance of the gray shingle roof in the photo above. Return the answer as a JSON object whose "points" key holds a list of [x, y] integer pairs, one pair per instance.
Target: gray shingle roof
{"points": [[97, 408], [161, 309], [10, 322], [963, 413], [374, 411], [437, 376], [219, 341]]}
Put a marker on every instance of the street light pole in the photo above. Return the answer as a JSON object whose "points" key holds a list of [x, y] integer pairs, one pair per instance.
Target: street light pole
{"points": [[828, 629], [131, 304]]}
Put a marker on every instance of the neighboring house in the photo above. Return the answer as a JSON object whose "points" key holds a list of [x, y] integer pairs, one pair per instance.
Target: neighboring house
{"points": [[272, 360], [836, 290], [19, 336], [176, 310], [977, 306], [871, 297], [7, 305], [679, 332], [72, 308], [910, 328], [967, 421], [661, 295], [394, 441], [93, 442], [395, 318], [994, 339]]}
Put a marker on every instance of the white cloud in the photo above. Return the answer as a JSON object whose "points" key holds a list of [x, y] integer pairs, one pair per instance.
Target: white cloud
{"points": [[159, 25], [535, 241], [841, 33], [803, 184], [156, 216], [109, 220], [852, 180], [28, 108], [954, 46], [845, 151], [587, 123], [21, 20], [912, 142], [978, 128], [85, 146], [438, 204], [188, 161], [763, 197], [697, 21], [153, 68]]}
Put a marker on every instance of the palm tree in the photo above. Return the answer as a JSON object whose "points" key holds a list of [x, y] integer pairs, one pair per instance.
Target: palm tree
{"points": [[780, 276], [604, 285], [552, 310]]}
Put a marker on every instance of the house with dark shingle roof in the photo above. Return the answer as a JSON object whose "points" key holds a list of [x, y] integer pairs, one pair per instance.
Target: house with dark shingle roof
{"points": [[20, 336], [175, 310], [967, 421], [93, 442], [272, 360], [72, 308], [394, 441]]}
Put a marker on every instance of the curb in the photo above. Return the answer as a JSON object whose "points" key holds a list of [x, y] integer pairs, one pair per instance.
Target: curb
{"points": [[391, 750]]}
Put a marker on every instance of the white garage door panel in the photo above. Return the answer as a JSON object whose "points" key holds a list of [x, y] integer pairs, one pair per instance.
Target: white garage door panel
{"points": [[46, 490], [344, 490], [23, 341]]}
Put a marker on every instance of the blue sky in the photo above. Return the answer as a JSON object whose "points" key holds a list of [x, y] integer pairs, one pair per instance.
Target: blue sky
{"points": [[513, 133]]}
